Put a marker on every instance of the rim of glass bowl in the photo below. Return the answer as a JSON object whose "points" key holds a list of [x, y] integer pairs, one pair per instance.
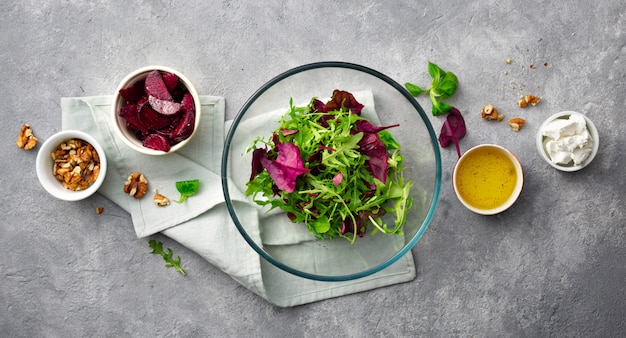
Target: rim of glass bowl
{"points": [[433, 139]]}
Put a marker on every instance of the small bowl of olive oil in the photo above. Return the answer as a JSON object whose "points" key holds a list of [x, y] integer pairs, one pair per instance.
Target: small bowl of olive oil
{"points": [[488, 179]]}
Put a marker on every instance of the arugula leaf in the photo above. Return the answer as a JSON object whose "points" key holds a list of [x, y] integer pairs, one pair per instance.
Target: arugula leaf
{"points": [[157, 248], [186, 189], [443, 86]]}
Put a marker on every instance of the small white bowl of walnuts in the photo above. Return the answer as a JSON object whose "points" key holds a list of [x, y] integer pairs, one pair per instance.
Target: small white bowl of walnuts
{"points": [[71, 165]]}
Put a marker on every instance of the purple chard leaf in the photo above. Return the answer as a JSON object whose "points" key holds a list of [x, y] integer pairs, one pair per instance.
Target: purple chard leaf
{"points": [[286, 168], [453, 130]]}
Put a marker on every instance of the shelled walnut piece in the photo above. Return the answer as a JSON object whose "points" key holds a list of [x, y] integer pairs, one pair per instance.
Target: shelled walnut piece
{"points": [[26, 140], [136, 185], [490, 112], [517, 123], [160, 200], [528, 99], [76, 164]]}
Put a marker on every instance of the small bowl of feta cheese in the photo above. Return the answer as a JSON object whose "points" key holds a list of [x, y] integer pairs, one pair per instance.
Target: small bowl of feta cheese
{"points": [[568, 141]]}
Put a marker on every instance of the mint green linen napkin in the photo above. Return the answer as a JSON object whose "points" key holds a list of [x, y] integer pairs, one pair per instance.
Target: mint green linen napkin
{"points": [[202, 223]]}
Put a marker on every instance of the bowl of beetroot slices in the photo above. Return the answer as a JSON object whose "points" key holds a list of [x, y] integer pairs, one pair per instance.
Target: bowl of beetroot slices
{"points": [[331, 171], [156, 110]]}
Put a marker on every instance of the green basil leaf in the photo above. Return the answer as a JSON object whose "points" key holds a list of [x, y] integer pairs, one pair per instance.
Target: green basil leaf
{"points": [[186, 189]]}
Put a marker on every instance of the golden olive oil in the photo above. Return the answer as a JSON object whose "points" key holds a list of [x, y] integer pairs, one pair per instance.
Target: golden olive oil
{"points": [[485, 178]]}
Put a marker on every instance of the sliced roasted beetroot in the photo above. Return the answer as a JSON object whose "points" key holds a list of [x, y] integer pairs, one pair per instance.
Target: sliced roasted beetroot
{"points": [[151, 119], [169, 129], [157, 142], [167, 132], [127, 110], [185, 127], [155, 86], [170, 80], [158, 110], [134, 92], [142, 101], [179, 92], [164, 107], [131, 128], [139, 135], [187, 103], [130, 114]]}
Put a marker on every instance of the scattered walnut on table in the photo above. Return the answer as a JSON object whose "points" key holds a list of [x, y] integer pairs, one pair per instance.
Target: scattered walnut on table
{"points": [[26, 140], [517, 123], [76, 164], [528, 99], [136, 185], [99, 210], [490, 112]]}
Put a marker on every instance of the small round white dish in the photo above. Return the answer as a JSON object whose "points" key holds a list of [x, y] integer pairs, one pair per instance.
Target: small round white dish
{"points": [[541, 141], [120, 123], [488, 179], [45, 166]]}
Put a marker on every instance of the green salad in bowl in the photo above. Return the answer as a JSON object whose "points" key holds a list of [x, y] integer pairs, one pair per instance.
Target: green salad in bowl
{"points": [[331, 171]]}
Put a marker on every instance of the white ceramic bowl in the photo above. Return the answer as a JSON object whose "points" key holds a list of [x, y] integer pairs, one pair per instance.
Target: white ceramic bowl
{"points": [[466, 189], [45, 166], [569, 167], [118, 101]]}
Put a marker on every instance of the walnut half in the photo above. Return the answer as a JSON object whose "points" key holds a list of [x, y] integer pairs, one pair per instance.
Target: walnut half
{"points": [[136, 185], [26, 140]]}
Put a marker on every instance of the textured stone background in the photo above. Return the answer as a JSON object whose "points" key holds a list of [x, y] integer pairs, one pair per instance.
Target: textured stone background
{"points": [[552, 265]]}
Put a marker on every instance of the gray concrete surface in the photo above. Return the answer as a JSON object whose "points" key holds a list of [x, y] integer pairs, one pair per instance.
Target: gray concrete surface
{"points": [[553, 265]]}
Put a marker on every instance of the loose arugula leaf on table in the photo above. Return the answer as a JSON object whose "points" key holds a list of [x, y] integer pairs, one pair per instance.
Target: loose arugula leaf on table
{"points": [[443, 86], [157, 248], [186, 189]]}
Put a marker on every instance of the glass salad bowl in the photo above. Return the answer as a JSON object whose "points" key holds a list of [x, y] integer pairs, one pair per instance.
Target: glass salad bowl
{"points": [[322, 227]]}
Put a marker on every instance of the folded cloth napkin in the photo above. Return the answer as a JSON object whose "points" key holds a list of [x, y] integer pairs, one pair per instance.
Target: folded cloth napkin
{"points": [[202, 223]]}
